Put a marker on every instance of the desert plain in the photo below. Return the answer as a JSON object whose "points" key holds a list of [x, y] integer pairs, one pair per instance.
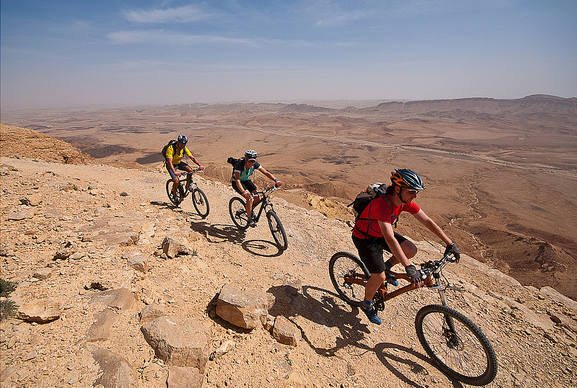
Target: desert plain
{"points": [[501, 175]]}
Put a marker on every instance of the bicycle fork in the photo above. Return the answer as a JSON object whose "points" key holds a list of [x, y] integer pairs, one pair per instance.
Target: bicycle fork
{"points": [[449, 332]]}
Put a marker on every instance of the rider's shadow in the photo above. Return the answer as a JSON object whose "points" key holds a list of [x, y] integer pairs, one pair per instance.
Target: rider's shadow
{"points": [[217, 233], [326, 309], [163, 205], [321, 309]]}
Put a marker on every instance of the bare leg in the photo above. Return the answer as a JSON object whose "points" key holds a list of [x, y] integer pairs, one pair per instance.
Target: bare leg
{"points": [[175, 185], [373, 284]]}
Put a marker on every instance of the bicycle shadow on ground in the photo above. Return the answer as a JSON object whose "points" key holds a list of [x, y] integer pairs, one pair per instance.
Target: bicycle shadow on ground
{"points": [[325, 308], [389, 355], [262, 248], [319, 306], [218, 233]]}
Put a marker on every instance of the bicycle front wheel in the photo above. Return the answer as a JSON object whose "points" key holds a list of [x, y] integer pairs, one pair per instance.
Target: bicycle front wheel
{"points": [[237, 211], [277, 230], [200, 202], [177, 198], [457, 345], [348, 275]]}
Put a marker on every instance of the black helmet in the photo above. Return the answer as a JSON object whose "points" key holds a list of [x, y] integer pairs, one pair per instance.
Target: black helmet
{"points": [[182, 139], [407, 178], [250, 155]]}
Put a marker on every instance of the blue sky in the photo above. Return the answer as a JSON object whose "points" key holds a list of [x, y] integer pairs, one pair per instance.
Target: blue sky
{"points": [[169, 52]]}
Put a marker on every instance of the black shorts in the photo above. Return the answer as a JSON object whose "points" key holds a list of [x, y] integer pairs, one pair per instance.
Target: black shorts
{"points": [[248, 185], [371, 251]]}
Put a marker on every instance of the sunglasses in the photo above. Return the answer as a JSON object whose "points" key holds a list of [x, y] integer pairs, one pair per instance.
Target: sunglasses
{"points": [[413, 191]]}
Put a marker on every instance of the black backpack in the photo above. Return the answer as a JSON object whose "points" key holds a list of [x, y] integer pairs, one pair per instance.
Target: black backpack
{"points": [[170, 143], [232, 161], [365, 197]]}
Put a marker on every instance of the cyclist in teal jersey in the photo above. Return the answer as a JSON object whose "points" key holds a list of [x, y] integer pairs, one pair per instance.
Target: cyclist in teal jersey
{"points": [[242, 184]]}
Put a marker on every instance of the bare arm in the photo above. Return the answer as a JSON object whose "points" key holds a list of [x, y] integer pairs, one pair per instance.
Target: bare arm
{"points": [[270, 176], [245, 193], [432, 226], [171, 166], [191, 156], [394, 246]]}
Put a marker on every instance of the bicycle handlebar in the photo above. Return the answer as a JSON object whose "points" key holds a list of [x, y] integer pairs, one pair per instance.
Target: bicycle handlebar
{"points": [[435, 265], [191, 172], [266, 190]]}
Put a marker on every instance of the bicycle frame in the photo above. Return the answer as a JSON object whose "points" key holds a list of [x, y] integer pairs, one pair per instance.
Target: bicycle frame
{"points": [[430, 272], [264, 202], [193, 184]]}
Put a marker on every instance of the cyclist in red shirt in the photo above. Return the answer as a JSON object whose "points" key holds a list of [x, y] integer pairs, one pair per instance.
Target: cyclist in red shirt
{"points": [[373, 233]]}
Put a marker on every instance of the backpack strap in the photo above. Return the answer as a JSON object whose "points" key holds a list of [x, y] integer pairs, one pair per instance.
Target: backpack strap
{"points": [[369, 219]]}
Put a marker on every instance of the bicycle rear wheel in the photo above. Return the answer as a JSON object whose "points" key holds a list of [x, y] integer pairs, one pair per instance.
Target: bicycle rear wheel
{"points": [[237, 212], [344, 269], [457, 345], [175, 199], [200, 202], [277, 230]]}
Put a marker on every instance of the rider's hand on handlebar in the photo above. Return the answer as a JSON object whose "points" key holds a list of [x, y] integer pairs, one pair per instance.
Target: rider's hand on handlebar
{"points": [[277, 183], [201, 168], [414, 274], [452, 248]]}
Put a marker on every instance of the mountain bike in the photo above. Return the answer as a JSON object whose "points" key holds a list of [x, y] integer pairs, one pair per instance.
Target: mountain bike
{"points": [[199, 199], [237, 210], [458, 347]]}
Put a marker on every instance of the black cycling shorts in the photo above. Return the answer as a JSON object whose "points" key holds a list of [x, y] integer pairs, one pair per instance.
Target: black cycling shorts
{"points": [[371, 251], [248, 185]]}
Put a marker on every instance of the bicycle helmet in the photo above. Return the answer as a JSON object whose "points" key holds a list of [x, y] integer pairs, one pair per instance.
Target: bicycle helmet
{"points": [[250, 155], [182, 139], [407, 178]]}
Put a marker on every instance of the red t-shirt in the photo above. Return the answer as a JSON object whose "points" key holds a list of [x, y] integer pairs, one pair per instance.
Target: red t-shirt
{"points": [[379, 210]]}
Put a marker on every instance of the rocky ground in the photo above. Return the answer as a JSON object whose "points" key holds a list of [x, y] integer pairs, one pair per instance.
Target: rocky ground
{"points": [[69, 231]]}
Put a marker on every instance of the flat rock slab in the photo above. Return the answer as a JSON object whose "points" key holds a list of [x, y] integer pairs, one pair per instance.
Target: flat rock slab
{"points": [[40, 311], [116, 372], [120, 298]]}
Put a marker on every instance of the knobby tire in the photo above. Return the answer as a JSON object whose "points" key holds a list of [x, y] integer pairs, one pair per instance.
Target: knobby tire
{"points": [[457, 345], [344, 264], [200, 202], [175, 199], [277, 230], [237, 211]]}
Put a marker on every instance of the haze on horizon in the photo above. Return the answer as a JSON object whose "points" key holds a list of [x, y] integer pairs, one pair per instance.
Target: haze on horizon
{"points": [[173, 52]]}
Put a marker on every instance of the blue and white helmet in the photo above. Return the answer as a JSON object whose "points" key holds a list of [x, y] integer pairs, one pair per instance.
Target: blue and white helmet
{"points": [[407, 178], [182, 139], [250, 155]]}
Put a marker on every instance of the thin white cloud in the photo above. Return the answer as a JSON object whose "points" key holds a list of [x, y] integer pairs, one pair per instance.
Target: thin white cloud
{"points": [[184, 14], [163, 37], [342, 18]]}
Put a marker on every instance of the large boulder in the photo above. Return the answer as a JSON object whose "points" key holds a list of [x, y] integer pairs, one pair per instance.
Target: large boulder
{"points": [[246, 309]]}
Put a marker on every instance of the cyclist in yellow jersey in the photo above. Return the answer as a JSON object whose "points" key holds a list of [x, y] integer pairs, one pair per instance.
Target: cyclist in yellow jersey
{"points": [[174, 155]]}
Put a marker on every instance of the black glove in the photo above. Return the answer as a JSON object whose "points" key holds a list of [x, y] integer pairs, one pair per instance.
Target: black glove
{"points": [[452, 248], [413, 273]]}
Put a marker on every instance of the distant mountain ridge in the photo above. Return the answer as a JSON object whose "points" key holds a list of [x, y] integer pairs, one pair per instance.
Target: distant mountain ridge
{"points": [[531, 104]]}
